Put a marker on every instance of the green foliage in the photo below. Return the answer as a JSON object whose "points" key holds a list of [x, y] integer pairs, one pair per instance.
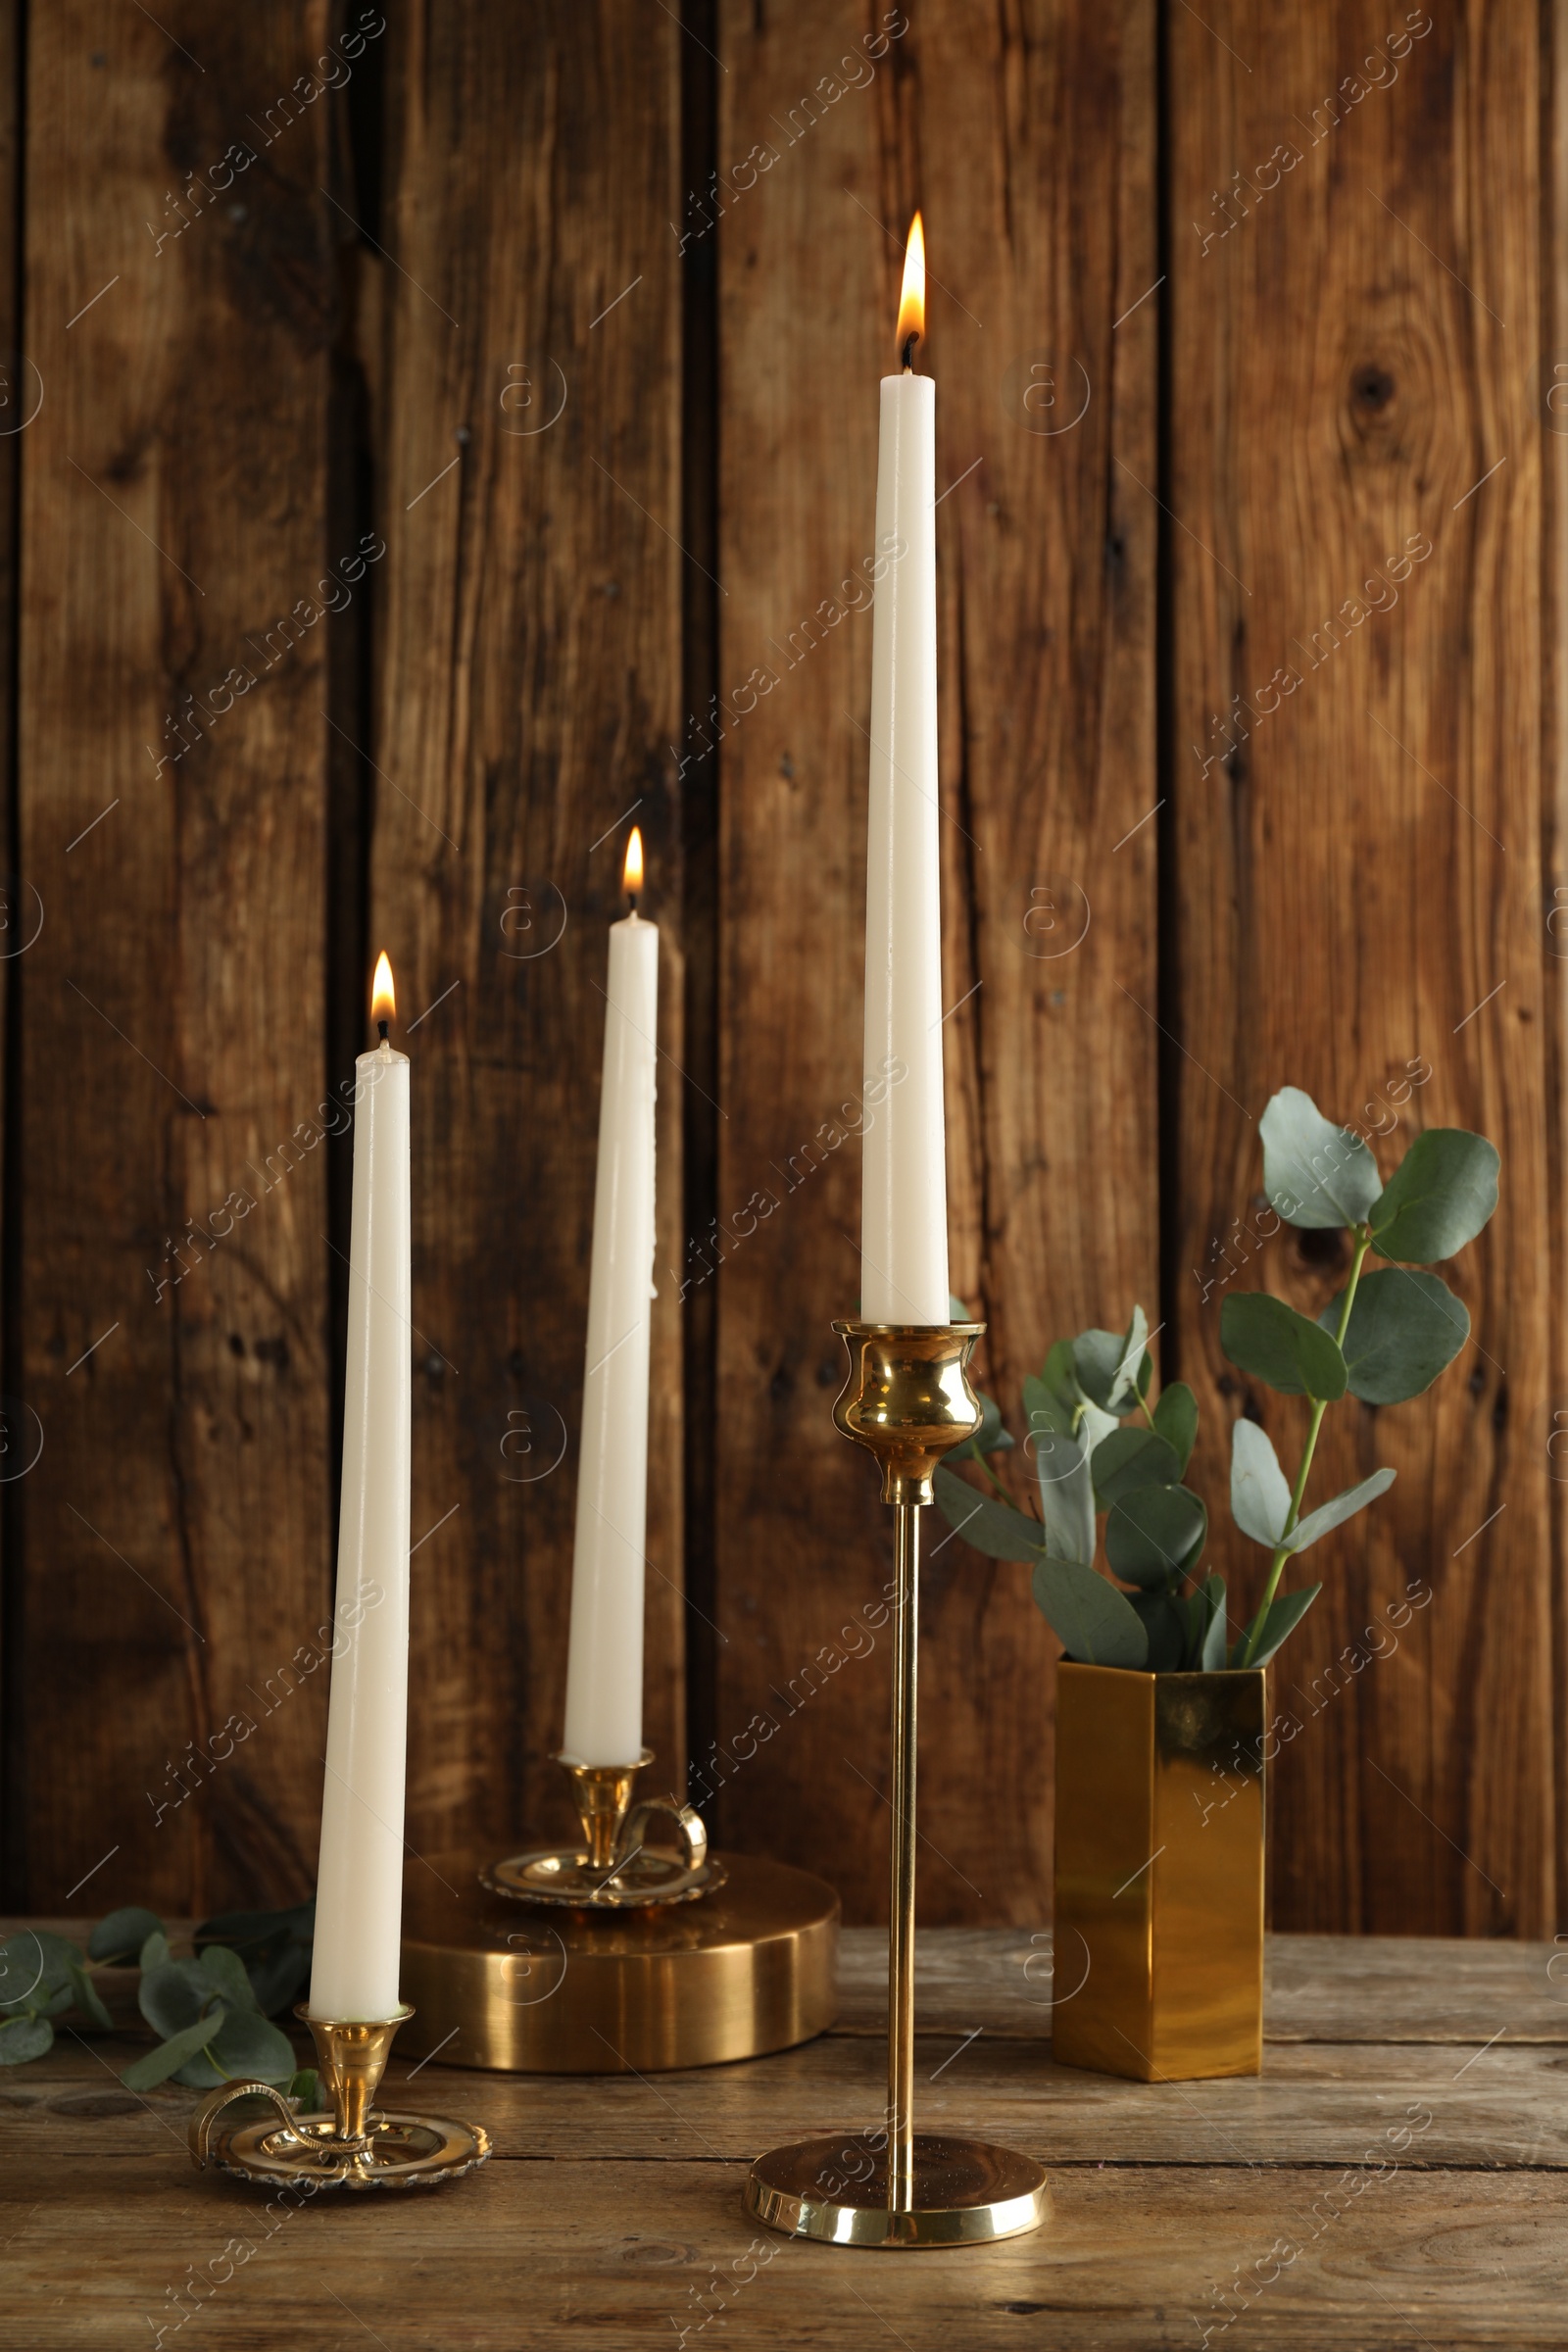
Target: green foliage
{"points": [[1100, 1445], [1314, 1173], [1263, 1336], [1096, 1623], [1437, 1199], [274, 1946], [1402, 1330], [209, 2010], [1176, 1419]]}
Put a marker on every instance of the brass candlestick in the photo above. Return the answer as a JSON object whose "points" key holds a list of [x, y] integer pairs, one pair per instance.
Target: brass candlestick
{"points": [[357, 2145], [616, 1869], [907, 1400]]}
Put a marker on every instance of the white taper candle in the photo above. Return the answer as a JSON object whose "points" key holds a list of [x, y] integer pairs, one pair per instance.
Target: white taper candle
{"points": [[904, 1202], [605, 1657], [359, 1899]]}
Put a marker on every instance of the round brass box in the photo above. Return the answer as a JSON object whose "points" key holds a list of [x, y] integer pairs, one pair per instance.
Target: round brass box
{"points": [[495, 1983]]}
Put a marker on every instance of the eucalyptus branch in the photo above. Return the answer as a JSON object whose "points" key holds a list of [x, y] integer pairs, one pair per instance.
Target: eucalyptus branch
{"points": [[1255, 1631]]}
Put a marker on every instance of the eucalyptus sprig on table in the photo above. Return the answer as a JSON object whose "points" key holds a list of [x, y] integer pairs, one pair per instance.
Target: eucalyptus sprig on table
{"points": [[1103, 1442], [210, 2011]]}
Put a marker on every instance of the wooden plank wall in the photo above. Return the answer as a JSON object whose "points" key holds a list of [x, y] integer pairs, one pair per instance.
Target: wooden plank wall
{"points": [[528, 693], [553, 336], [1355, 452], [170, 1548], [1032, 151]]}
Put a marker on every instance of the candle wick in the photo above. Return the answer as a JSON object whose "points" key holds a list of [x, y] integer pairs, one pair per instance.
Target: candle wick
{"points": [[382, 1027], [631, 900], [909, 342]]}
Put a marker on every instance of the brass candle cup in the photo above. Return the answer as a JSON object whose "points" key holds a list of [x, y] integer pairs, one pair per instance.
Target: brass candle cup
{"points": [[907, 1400], [616, 1868], [357, 2144]]}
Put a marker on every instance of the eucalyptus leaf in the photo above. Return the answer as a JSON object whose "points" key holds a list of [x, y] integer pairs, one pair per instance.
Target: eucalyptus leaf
{"points": [[247, 2044], [1134, 1371], [1176, 1419], [1405, 1329], [1260, 1498], [122, 1934], [1046, 1413], [48, 1959], [25, 2038], [1165, 1624], [274, 1945], [1096, 1357], [1095, 1625], [990, 1525], [89, 2000], [1437, 1199], [1263, 1336], [224, 1971], [173, 1994], [1152, 1533], [1130, 1458], [1334, 1514], [1193, 1609], [305, 2090], [1106, 1363], [158, 2064], [155, 1951], [1212, 1655], [1059, 1373], [1314, 1173], [1093, 1422], [1066, 1497], [1285, 1614], [22, 1969]]}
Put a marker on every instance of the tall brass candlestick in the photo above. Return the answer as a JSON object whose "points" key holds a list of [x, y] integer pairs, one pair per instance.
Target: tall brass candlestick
{"points": [[908, 1401]]}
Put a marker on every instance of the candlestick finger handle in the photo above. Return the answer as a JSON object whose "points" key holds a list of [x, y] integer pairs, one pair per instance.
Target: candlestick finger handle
{"points": [[199, 2136], [689, 1830], [908, 1399]]}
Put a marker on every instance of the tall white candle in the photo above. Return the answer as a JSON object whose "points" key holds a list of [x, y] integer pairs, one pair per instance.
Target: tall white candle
{"points": [[904, 1202], [604, 1660], [358, 1898]]}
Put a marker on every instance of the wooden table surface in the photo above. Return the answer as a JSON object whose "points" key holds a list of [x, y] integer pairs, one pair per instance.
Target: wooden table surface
{"points": [[1398, 2178]]}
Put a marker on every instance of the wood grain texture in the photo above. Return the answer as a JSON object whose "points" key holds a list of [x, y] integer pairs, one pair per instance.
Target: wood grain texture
{"points": [[1028, 141], [1357, 880], [1311, 2108], [172, 1287], [529, 670], [619, 2253], [1376, 2195], [12, 427]]}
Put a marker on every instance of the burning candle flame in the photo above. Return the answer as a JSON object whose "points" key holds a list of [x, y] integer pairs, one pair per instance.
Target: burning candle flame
{"points": [[911, 300], [383, 996], [631, 877]]}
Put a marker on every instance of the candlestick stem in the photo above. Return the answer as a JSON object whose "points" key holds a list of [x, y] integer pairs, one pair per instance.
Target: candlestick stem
{"points": [[908, 1401], [901, 1897]]}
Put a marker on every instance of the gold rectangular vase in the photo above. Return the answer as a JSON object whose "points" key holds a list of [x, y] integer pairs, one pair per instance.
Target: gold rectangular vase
{"points": [[1158, 1932]]}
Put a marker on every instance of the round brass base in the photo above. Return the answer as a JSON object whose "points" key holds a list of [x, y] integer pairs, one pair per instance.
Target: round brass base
{"points": [[399, 2151], [967, 2192], [570, 1878], [751, 1968]]}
